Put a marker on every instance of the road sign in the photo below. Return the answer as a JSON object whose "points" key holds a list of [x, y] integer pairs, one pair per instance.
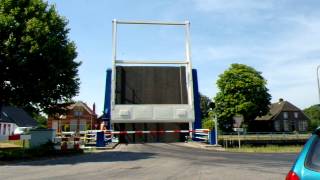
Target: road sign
{"points": [[238, 129], [238, 119]]}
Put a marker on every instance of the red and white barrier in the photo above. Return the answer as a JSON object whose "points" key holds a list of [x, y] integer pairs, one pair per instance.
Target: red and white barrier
{"points": [[15, 137], [158, 132], [65, 143], [202, 135]]}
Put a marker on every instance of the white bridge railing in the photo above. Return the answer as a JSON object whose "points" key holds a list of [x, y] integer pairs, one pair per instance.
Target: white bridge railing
{"points": [[202, 135]]}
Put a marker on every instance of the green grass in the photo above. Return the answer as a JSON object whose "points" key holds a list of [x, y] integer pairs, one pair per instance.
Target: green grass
{"points": [[267, 149], [46, 150], [14, 143]]}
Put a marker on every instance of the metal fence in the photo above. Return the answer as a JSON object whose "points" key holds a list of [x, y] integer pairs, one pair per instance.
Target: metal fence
{"points": [[265, 136], [201, 135]]}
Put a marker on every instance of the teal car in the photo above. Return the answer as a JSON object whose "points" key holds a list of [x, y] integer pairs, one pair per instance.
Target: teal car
{"points": [[307, 165]]}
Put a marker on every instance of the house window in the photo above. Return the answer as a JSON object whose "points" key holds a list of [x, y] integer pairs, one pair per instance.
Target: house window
{"points": [[285, 125], [73, 125], [77, 113], [55, 124], [285, 115], [276, 126], [303, 125], [296, 115], [82, 125]]}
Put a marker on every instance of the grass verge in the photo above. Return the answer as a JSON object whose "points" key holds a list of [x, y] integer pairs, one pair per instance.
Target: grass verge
{"points": [[267, 149], [46, 150]]}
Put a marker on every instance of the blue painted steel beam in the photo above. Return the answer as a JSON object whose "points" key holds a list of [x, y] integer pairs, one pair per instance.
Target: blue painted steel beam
{"points": [[197, 110], [107, 99]]}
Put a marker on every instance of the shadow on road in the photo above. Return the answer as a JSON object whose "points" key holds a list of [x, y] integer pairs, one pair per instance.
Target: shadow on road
{"points": [[110, 156], [219, 158]]}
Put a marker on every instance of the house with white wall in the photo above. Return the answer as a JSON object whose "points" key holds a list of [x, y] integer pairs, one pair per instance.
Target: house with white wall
{"points": [[12, 117]]}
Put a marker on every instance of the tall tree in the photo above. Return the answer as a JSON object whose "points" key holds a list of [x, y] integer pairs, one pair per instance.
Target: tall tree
{"points": [[242, 91], [206, 112], [37, 60], [204, 105], [313, 112]]}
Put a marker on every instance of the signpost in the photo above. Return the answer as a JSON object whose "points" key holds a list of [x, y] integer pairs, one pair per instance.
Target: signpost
{"points": [[238, 119]]}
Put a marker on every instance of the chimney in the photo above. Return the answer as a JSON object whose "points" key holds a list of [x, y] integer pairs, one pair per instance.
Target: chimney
{"points": [[280, 100], [94, 108]]}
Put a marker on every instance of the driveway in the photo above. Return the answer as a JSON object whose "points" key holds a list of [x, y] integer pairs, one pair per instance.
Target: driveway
{"points": [[155, 161]]}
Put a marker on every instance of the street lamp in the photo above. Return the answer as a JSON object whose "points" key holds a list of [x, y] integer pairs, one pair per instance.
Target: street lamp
{"points": [[318, 68], [215, 120]]}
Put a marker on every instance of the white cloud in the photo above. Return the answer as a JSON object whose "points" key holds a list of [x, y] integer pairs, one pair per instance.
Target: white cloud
{"points": [[280, 38], [223, 5], [287, 61]]}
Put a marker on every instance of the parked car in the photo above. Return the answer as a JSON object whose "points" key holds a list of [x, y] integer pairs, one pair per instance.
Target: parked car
{"points": [[307, 165], [22, 130]]}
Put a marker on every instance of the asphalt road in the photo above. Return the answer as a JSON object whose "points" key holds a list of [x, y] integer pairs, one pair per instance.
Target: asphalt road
{"points": [[155, 161]]}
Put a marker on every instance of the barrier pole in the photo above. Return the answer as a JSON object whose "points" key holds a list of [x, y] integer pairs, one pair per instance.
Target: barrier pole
{"points": [[216, 129]]}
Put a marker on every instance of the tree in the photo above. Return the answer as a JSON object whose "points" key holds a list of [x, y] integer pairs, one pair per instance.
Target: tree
{"points": [[206, 112], [37, 60], [242, 91], [41, 120], [313, 112], [204, 105]]}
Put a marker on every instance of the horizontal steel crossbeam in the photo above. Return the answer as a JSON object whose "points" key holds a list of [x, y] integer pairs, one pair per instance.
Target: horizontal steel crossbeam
{"points": [[152, 22]]}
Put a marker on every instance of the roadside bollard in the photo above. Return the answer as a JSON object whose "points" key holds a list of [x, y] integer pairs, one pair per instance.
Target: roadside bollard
{"points": [[76, 143], [64, 146]]}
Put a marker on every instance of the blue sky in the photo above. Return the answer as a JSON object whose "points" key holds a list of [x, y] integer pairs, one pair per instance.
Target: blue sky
{"points": [[279, 38]]}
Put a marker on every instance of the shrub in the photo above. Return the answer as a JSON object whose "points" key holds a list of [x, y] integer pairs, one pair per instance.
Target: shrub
{"points": [[207, 123]]}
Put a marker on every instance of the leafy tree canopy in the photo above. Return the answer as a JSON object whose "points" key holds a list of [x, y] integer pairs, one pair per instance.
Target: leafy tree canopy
{"points": [[242, 91], [36, 57], [41, 120], [204, 105], [208, 122], [206, 112], [313, 112]]}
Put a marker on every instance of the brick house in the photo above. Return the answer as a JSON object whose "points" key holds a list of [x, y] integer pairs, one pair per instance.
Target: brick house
{"points": [[282, 117], [78, 116]]}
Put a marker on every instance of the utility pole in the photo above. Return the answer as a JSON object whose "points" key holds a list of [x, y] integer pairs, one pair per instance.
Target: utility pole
{"points": [[216, 128], [318, 80]]}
